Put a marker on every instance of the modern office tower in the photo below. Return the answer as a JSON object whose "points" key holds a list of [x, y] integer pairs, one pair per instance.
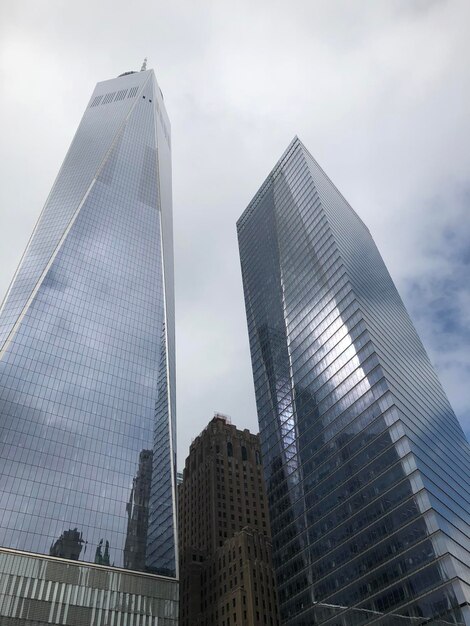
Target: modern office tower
{"points": [[226, 573], [87, 380], [366, 465]]}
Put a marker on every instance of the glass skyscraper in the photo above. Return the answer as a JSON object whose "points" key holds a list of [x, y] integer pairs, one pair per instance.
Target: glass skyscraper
{"points": [[87, 357], [366, 465]]}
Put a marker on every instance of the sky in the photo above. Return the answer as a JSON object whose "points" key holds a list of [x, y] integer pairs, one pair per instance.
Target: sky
{"points": [[379, 92]]}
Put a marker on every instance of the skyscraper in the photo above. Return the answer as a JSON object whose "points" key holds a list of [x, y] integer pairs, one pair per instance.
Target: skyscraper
{"points": [[226, 572], [367, 467], [87, 368]]}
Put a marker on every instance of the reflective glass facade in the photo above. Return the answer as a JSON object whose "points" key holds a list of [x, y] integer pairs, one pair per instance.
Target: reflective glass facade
{"points": [[366, 465], [87, 369]]}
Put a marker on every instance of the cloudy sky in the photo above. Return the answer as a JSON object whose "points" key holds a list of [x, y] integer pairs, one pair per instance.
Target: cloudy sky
{"points": [[378, 90]]}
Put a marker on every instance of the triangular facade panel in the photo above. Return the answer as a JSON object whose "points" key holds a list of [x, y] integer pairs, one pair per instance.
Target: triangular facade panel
{"points": [[85, 376]]}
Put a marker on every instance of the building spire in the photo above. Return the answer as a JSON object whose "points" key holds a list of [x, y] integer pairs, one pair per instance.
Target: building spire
{"points": [[144, 65]]}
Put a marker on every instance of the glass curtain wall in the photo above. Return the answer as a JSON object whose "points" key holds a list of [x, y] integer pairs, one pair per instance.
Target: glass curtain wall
{"points": [[365, 462], [87, 373]]}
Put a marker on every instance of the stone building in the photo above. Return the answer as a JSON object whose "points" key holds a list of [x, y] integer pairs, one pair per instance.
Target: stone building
{"points": [[226, 575]]}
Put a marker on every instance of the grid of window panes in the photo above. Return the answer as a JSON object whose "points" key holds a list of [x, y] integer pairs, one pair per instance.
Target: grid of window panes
{"points": [[87, 365], [348, 405]]}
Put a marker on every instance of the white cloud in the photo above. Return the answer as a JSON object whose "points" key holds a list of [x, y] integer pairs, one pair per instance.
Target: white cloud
{"points": [[378, 92]]}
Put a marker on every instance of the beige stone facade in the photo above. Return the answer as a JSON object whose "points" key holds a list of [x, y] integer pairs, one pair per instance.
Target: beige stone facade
{"points": [[226, 575]]}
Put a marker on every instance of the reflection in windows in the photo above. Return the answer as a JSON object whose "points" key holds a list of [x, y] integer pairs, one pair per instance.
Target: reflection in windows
{"points": [[69, 545], [138, 514], [349, 411], [102, 554], [87, 373]]}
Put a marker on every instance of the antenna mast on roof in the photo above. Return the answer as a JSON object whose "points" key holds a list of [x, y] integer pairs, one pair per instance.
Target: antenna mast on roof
{"points": [[144, 65]]}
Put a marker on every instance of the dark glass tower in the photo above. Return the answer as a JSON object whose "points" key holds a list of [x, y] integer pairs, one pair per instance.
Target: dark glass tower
{"points": [[87, 368], [366, 465]]}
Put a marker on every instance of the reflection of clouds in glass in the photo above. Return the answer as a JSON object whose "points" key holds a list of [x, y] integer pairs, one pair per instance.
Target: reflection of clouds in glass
{"points": [[86, 364], [80, 166], [350, 409]]}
